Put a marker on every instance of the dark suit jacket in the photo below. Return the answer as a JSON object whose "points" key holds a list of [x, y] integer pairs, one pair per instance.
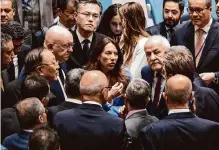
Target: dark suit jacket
{"points": [[158, 29], [77, 59], [52, 111], [184, 35], [161, 111], [89, 127], [17, 141], [9, 122], [135, 122], [181, 131]]}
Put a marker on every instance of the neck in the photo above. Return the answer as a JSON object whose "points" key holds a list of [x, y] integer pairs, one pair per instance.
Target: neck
{"points": [[76, 97], [177, 106], [91, 98], [63, 23], [84, 34]]}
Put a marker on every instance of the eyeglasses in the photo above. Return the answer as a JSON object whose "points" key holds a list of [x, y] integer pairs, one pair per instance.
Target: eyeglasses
{"points": [[196, 10], [53, 64], [87, 15]]}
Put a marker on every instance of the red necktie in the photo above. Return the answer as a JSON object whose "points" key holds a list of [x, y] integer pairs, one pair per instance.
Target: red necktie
{"points": [[157, 90]]}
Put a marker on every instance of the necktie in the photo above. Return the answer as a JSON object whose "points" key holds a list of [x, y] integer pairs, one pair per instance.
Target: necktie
{"points": [[157, 90], [86, 48], [199, 45], [61, 76], [170, 31]]}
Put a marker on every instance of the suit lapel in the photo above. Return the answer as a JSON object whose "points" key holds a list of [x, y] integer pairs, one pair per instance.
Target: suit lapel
{"points": [[20, 11], [189, 39], [209, 41], [163, 30]]}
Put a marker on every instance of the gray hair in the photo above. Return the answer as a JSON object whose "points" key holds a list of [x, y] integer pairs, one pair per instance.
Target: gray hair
{"points": [[208, 3], [72, 82], [138, 93], [158, 39], [28, 112]]}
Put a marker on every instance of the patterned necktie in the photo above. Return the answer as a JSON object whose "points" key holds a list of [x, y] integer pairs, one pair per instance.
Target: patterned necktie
{"points": [[199, 45], [157, 90]]}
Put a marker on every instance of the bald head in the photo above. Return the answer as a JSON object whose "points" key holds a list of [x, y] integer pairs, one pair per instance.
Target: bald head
{"points": [[178, 89], [92, 82]]}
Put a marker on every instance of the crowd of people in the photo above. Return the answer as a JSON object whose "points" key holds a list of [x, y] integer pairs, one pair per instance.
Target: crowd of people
{"points": [[75, 77]]}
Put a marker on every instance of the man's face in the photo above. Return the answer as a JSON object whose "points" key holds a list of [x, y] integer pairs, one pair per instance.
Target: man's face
{"points": [[217, 7], [63, 48], [171, 14], [199, 13], [116, 25], [8, 53], [17, 45], [7, 12], [155, 55], [67, 16], [87, 17]]}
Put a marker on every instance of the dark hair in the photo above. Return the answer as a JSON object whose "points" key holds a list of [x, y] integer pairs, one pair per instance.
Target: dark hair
{"points": [[104, 26], [62, 4], [14, 29], [13, 3], [77, 2], [179, 60], [28, 112], [72, 82], [180, 2], [117, 74], [44, 138], [33, 60], [34, 86], [4, 39], [138, 93]]}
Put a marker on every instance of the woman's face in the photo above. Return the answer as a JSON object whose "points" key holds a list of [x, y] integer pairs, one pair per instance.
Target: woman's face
{"points": [[116, 25], [108, 57]]}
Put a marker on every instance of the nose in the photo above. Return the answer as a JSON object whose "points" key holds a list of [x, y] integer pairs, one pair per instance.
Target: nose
{"points": [[119, 28], [170, 15], [114, 57], [3, 13], [152, 56]]}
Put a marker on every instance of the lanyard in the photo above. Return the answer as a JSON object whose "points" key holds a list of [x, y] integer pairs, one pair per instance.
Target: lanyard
{"points": [[200, 49]]}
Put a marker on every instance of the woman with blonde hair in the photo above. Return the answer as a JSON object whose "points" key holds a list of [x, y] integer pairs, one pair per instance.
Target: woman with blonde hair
{"points": [[134, 37]]}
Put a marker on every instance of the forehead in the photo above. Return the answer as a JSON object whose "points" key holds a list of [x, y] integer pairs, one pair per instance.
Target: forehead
{"points": [[110, 47], [8, 46], [197, 3], [116, 19], [67, 37], [151, 47], [171, 5], [89, 7], [48, 56], [70, 5], [6, 4]]}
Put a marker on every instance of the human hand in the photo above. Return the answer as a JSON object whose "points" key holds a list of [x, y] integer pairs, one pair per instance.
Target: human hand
{"points": [[115, 91], [207, 77]]}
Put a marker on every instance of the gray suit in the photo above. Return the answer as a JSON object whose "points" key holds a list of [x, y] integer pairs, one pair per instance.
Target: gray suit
{"points": [[137, 121]]}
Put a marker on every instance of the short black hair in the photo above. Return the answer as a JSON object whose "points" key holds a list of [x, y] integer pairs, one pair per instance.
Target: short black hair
{"points": [[14, 29], [77, 2], [180, 2], [44, 138], [62, 4], [34, 86], [72, 83], [4, 39]]}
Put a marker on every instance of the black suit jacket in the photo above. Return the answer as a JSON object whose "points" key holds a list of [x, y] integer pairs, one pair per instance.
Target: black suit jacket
{"points": [[77, 59], [89, 127], [158, 29], [184, 35], [181, 131], [52, 111]]}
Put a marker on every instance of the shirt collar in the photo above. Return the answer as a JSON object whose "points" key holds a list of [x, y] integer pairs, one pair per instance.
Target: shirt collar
{"points": [[206, 28], [92, 102], [81, 38], [26, 130], [172, 111], [73, 100], [162, 74], [61, 25], [134, 111]]}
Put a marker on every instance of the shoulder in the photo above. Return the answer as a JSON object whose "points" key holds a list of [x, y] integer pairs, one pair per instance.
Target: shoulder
{"points": [[183, 26], [156, 28], [10, 138]]}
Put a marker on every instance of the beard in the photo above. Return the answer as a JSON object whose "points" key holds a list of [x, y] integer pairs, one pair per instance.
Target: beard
{"points": [[171, 23]]}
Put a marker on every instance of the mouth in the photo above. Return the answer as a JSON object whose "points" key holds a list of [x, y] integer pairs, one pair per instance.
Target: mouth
{"points": [[89, 25], [112, 64]]}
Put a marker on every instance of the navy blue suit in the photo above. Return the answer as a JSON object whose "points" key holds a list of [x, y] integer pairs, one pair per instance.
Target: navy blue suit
{"points": [[180, 131], [17, 141], [89, 127], [158, 29]]}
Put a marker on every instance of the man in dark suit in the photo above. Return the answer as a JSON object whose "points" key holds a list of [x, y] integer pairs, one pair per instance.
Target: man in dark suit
{"points": [[181, 129], [137, 97], [172, 12], [30, 113], [87, 16], [73, 94], [201, 36], [155, 47], [89, 127], [179, 60]]}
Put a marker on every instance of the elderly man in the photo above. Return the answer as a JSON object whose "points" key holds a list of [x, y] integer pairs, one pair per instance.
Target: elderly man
{"points": [[155, 47], [181, 129], [201, 36], [172, 12], [92, 125], [7, 10], [31, 113], [137, 97]]}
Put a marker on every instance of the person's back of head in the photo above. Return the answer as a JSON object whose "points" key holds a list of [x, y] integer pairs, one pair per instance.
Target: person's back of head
{"points": [[44, 138], [178, 92], [30, 113], [72, 82], [35, 86], [94, 86], [137, 94], [179, 60]]}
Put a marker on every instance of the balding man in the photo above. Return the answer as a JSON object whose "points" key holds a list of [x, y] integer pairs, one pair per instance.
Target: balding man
{"points": [[31, 113], [89, 127], [181, 129], [153, 73]]}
